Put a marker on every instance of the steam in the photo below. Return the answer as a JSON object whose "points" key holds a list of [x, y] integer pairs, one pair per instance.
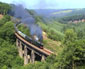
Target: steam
{"points": [[18, 11]]}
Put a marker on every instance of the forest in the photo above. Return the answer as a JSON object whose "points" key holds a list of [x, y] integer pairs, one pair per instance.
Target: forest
{"points": [[66, 40], [66, 19]]}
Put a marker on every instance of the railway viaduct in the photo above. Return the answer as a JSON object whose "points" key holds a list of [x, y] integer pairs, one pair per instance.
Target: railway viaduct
{"points": [[29, 52]]}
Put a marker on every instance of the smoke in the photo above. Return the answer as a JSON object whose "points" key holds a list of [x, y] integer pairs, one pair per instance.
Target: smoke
{"points": [[35, 29], [18, 11]]}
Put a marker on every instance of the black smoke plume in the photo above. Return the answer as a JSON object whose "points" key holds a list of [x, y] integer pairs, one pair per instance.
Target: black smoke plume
{"points": [[18, 11]]}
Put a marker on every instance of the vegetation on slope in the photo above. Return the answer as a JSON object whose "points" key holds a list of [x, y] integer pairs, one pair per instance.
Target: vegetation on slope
{"points": [[78, 28], [71, 51], [4, 8], [53, 30], [8, 52], [66, 19]]}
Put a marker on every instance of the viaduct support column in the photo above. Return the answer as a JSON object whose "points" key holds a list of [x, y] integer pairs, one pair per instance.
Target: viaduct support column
{"points": [[20, 50], [43, 58], [17, 42], [25, 56], [32, 56]]}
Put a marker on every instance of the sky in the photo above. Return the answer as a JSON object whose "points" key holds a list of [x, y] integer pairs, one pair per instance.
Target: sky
{"points": [[49, 4]]}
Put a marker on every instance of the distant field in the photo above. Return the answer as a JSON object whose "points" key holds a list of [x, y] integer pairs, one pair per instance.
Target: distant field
{"points": [[65, 11]]}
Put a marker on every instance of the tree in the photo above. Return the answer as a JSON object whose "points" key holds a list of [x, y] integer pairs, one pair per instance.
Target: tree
{"points": [[73, 52], [4, 8], [5, 19], [70, 36], [7, 32]]}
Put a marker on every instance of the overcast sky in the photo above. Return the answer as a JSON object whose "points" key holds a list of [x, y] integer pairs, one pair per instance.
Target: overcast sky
{"points": [[49, 4]]}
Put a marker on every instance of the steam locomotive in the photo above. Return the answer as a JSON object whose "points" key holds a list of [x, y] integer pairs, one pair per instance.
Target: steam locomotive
{"points": [[33, 40]]}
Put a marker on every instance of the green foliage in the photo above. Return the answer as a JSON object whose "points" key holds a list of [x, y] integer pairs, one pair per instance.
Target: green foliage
{"points": [[4, 8], [53, 30], [73, 53], [7, 32], [8, 55], [73, 47], [51, 59], [70, 36], [8, 52], [55, 35], [5, 19], [4, 67], [17, 62], [24, 29], [78, 28], [66, 19], [37, 65]]}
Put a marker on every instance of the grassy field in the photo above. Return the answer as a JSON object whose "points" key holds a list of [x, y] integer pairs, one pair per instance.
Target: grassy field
{"points": [[52, 45]]}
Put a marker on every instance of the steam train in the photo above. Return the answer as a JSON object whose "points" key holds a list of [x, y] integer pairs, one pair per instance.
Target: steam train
{"points": [[33, 40]]}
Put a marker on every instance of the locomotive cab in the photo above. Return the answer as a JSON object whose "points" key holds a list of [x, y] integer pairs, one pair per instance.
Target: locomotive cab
{"points": [[37, 41]]}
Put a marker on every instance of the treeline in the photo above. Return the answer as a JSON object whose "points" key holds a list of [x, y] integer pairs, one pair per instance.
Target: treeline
{"points": [[4, 8], [71, 18]]}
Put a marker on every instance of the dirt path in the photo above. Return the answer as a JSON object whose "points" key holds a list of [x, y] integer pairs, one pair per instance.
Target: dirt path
{"points": [[1, 16]]}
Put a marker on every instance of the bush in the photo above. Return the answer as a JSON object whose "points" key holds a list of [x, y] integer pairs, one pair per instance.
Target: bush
{"points": [[55, 35], [7, 32]]}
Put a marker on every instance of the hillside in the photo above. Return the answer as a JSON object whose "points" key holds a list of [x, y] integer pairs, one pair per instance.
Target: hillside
{"points": [[53, 12], [66, 40], [52, 45], [49, 15], [59, 12]]}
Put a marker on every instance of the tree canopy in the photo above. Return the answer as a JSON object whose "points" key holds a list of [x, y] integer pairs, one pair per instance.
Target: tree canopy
{"points": [[4, 8]]}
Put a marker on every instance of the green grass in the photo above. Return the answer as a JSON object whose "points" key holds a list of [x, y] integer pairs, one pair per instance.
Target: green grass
{"points": [[80, 67], [52, 45]]}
